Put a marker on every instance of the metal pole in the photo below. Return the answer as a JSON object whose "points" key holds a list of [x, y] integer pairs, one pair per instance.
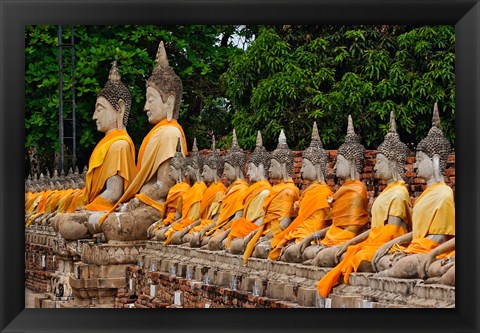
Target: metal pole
{"points": [[60, 96]]}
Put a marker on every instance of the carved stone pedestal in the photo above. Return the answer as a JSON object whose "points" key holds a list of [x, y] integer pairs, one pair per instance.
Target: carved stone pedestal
{"points": [[101, 272]]}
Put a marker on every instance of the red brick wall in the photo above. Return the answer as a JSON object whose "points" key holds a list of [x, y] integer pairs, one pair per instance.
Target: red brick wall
{"points": [[36, 277]]}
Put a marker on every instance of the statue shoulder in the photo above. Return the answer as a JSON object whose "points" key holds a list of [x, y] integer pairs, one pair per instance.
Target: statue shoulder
{"points": [[120, 144]]}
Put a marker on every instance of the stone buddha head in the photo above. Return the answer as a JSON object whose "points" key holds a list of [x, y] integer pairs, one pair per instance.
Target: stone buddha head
{"points": [[112, 107], [432, 152], [314, 158], [234, 160], [259, 161], [213, 167], [391, 155], [194, 164], [164, 90], [281, 165], [350, 155], [177, 165]]}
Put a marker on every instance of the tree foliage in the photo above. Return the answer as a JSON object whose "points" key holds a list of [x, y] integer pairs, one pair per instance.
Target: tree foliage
{"points": [[293, 75]]}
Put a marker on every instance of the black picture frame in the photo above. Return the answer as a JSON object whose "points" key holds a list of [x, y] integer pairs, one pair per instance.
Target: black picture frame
{"points": [[465, 14]]}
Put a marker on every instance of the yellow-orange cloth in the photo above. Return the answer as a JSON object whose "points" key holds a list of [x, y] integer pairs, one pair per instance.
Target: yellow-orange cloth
{"points": [[159, 145], [231, 203], [174, 201], [253, 202], [190, 210], [52, 201], [113, 155], [349, 213], [210, 205], [77, 201], [278, 205], [393, 201], [313, 208], [64, 199]]}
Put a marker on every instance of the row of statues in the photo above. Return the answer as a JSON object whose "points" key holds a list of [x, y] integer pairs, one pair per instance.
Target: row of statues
{"points": [[174, 199]]}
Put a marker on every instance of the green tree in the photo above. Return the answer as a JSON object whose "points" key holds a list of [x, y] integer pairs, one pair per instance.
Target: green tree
{"points": [[293, 75]]}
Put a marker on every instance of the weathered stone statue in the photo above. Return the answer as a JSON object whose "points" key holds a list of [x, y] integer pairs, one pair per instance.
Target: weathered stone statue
{"points": [[210, 204], [391, 214], [278, 206], [433, 214], [313, 206], [232, 203], [441, 271], [174, 202], [111, 167], [191, 198], [253, 200], [144, 198], [349, 205]]}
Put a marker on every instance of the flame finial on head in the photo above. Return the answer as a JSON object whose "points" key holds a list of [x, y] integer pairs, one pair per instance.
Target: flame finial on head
{"points": [[114, 75], [259, 142], [436, 116], [393, 124], [161, 57], [350, 128]]}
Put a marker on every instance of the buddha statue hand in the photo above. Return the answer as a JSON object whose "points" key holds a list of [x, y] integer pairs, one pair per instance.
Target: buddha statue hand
{"points": [[153, 228], [382, 250], [341, 250]]}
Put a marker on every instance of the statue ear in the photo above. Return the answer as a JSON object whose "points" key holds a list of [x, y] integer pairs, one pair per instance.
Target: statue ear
{"points": [[318, 170], [122, 107], [284, 172], [437, 173], [261, 170], [170, 107]]}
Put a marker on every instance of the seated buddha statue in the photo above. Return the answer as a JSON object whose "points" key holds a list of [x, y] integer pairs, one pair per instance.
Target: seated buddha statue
{"points": [[192, 198], [253, 199], [391, 214], [174, 201], [111, 167], [313, 206], [210, 204], [143, 202], [439, 271], [433, 214], [231, 206], [278, 206], [348, 207]]}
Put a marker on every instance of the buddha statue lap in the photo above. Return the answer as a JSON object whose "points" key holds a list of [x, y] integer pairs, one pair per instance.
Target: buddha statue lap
{"points": [[112, 163], [278, 206], [143, 202], [313, 206], [439, 271], [348, 208], [391, 214], [433, 214], [253, 199], [232, 203], [210, 204]]}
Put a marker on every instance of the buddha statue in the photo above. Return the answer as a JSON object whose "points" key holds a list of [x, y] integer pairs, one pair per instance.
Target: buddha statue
{"points": [[143, 202], [278, 206], [253, 199], [313, 206], [348, 207], [232, 203], [210, 204], [111, 167], [439, 271], [191, 198], [174, 201], [433, 214], [391, 214]]}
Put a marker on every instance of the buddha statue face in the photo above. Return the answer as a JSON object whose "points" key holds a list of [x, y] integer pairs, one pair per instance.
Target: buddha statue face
{"points": [[383, 167], [156, 109], [275, 170], [255, 173], [105, 116], [342, 167], [308, 170], [208, 174], [174, 173], [424, 166], [229, 171]]}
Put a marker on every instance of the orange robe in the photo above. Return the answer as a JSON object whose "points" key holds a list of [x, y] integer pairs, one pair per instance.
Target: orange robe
{"points": [[210, 205], [113, 155], [190, 209], [231, 203], [393, 201], [159, 145], [313, 209], [433, 214], [349, 213], [174, 202], [278, 205], [252, 210]]}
